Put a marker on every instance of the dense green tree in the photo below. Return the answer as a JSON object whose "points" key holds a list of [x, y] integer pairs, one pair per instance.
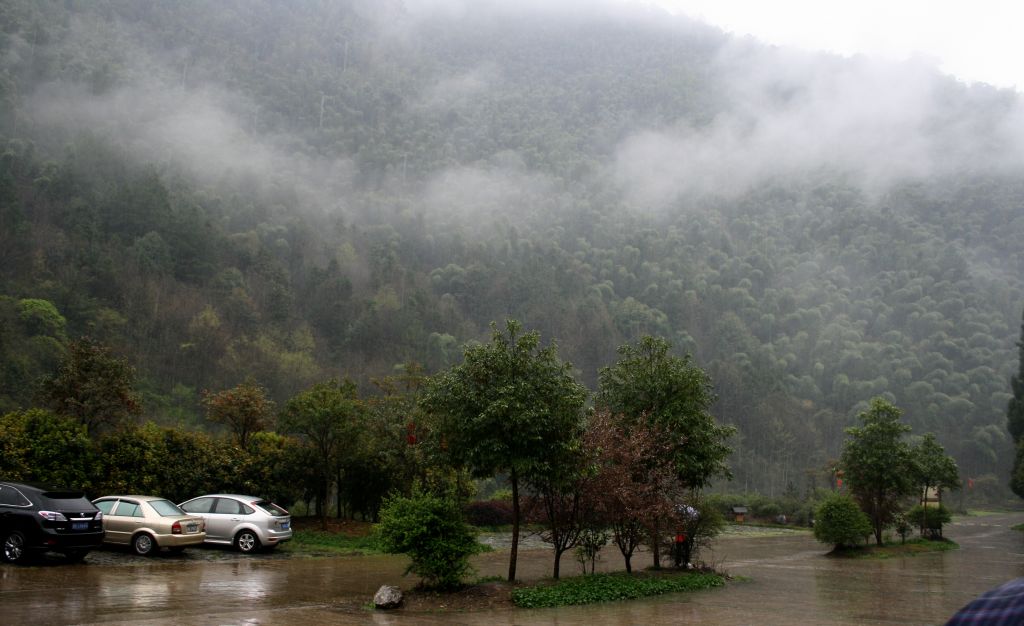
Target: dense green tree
{"points": [[648, 384], [93, 386], [933, 468], [330, 417], [32, 441], [511, 406], [879, 463], [840, 522], [1015, 417], [430, 529], [675, 395]]}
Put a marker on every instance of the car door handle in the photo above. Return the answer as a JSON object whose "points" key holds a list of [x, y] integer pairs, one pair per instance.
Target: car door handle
{"points": [[236, 519]]}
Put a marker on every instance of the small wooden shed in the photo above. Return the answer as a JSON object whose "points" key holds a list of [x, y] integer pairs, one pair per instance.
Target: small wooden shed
{"points": [[739, 513]]}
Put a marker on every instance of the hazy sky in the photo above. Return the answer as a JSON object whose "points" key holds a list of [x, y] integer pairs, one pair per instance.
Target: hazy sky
{"points": [[974, 41]]}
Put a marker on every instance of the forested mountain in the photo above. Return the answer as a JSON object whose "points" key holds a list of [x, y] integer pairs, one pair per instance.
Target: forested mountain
{"points": [[296, 190]]}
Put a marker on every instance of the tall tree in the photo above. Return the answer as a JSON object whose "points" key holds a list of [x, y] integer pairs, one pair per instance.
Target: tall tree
{"points": [[1015, 418], [879, 463], [510, 406], [93, 386], [330, 416], [933, 468], [672, 393], [634, 480], [243, 409]]}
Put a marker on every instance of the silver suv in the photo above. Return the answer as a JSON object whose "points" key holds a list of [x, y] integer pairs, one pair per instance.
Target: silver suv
{"points": [[246, 522]]}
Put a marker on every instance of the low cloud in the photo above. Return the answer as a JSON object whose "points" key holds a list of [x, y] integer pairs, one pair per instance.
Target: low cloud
{"points": [[206, 133], [791, 113]]}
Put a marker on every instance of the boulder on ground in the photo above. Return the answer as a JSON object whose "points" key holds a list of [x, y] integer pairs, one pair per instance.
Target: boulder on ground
{"points": [[387, 597]]}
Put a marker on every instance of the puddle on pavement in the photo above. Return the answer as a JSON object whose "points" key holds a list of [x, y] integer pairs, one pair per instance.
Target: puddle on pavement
{"points": [[784, 579]]}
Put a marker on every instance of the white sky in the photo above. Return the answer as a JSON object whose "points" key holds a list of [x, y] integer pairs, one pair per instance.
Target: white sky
{"points": [[974, 40]]}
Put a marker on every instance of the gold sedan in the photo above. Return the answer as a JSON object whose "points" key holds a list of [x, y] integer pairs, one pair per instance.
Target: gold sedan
{"points": [[147, 524]]}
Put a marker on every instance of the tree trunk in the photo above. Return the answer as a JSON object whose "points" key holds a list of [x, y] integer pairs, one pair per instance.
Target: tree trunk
{"points": [[514, 552], [558, 560], [656, 545], [337, 494], [629, 564]]}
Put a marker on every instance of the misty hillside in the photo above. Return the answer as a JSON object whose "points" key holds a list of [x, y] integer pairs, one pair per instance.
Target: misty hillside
{"points": [[297, 190]]}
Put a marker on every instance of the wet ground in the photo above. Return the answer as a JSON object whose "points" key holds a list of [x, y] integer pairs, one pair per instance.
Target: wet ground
{"points": [[785, 578]]}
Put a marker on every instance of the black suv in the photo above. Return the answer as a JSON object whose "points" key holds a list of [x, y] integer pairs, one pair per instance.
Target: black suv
{"points": [[34, 518]]}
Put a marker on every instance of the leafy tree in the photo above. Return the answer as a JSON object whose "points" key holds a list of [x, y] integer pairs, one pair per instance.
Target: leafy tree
{"points": [[840, 522], [37, 445], [933, 468], [878, 463], [93, 386], [330, 416], [243, 409], [510, 406], [557, 500], [634, 482], [1015, 417], [647, 384], [930, 519], [430, 529]]}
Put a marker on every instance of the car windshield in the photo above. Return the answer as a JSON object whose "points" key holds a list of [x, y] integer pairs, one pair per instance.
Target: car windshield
{"points": [[271, 508], [166, 508]]}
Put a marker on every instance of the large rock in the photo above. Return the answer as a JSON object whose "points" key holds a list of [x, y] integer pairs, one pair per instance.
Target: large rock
{"points": [[387, 597]]}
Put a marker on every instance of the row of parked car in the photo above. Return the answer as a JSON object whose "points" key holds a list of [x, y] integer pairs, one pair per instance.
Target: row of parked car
{"points": [[36, 518]]}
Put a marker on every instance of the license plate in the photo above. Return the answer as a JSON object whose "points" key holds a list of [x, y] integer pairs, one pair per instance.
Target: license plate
{"points": [[191, 528], [79, 525], [284, 525]]}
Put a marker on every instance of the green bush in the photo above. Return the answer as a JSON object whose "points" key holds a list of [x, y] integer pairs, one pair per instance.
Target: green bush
{"points": [[840, 522], [609, 588], [931, 519], [432, 532]]}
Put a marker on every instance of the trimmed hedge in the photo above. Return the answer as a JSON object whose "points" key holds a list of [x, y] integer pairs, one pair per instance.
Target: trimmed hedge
{"points": [[610, 588]]}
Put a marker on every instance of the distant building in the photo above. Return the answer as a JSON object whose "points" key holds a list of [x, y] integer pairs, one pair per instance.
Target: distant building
{"points": [[739, 513]]}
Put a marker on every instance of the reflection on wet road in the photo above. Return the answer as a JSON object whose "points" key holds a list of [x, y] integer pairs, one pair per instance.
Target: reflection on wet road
{"points": [[786, 580]]}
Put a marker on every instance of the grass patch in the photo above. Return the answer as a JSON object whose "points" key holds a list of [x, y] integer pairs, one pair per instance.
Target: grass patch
{"points": [[912, 547], [1019, 527], [319, 542], [611, 587]]}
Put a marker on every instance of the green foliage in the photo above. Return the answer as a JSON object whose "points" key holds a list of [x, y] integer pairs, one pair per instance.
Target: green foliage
{"points": [[511, 406], [92, 386], [929, 517], [429, 529], [329, 543], [610, 588], [330, 417], [674, 394], [1015, 418], [840, 522], [879, 463], [801, 296], [39, 446]]}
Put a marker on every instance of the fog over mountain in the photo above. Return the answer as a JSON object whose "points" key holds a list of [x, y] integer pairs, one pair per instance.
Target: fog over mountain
{"points": [[296, 190]]}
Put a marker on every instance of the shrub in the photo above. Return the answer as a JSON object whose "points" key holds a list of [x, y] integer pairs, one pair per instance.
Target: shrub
{"points": [[840, 522], [489, 513], [609, 587], [931, 519], [431, 531], [767, 511]]}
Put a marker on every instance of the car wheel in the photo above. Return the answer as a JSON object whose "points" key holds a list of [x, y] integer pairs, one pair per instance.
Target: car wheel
{"points": [[14, 547], [247, 541], [143, 544], [75, 556]]}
